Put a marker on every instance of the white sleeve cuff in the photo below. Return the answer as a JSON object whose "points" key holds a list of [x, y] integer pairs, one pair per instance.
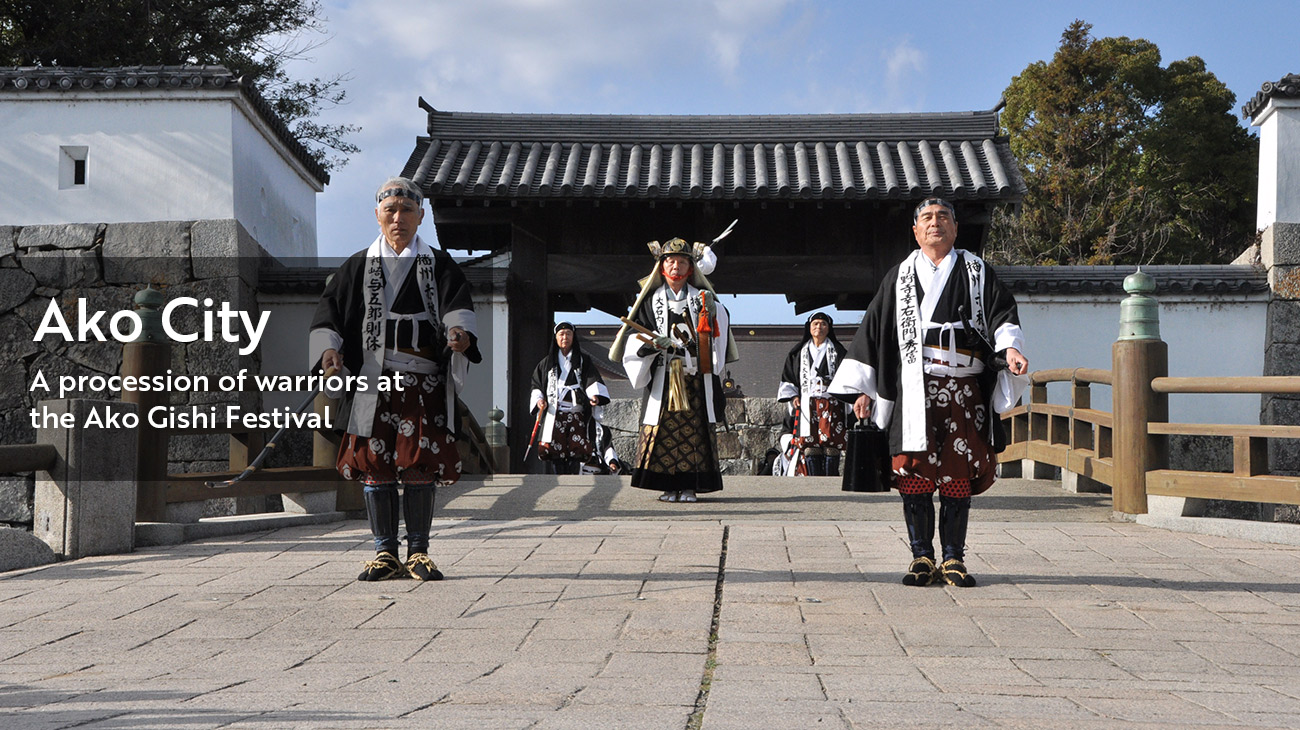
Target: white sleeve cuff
{"points": [[1009, 335], [465, 319], [322, 339], [854, 378], [786, 391]]}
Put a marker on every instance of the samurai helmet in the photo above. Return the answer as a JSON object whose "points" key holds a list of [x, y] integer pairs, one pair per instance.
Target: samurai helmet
{"points": [[700, 254], [677, 246]]}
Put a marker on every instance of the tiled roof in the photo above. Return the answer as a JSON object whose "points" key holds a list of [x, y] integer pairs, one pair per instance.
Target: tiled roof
{"points": [[1198, 279], [1288, 87], [811, 156], [55, 79], [1105, 280]]}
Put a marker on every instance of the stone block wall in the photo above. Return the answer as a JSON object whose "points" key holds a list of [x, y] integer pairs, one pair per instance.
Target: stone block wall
{"points": [[1280, 254], [107, 264], [755, 424]]}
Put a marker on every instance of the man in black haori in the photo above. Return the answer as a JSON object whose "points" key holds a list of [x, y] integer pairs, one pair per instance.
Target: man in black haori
{"points": [[820, 423], [401, 310], [682, 340], [925, 354], [566, 387]]}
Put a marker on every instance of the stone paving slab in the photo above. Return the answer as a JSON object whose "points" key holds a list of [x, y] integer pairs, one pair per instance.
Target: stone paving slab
{"points": [[806, 499], [610, 623]]}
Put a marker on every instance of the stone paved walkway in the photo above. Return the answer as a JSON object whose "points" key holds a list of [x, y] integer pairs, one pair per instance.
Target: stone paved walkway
{"points": [[610, 623]]}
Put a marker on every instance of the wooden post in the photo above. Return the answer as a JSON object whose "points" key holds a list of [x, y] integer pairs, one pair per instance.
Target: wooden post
{"points": [[1137, 356], [149, 355], [1038, 424], [530, 333], [1081, 433], [244, 448]]}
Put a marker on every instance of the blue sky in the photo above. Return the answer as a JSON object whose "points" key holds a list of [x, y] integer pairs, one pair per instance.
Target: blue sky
{"points": [[724, 57]]}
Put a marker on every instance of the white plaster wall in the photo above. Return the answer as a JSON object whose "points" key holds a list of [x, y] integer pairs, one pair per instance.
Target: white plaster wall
{"points": [[1208, 337], [154, 156], [148, 159], [499, 372], [1279, 163], [284, 344], [276, 204], [486, 383]]}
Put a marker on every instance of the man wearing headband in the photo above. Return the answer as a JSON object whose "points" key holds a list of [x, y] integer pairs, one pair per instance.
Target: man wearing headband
{"points": [[924, 366], [820, 428], [566, 388], [678, 319], [398, 312]]}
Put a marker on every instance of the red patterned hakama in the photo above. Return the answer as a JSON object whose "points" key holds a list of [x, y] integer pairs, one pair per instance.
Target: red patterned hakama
{"points": [[958, 462], [410, 441], [568, 438], [829, 428]]}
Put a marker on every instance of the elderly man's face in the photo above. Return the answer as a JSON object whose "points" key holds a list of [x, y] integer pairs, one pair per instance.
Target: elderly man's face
{"points": [[818, 329], [675, 269], [399, 218], [935, 230], [564, 339]]}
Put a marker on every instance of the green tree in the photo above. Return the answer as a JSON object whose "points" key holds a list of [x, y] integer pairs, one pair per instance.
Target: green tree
{"points": [[1126, 161], [252, 38]]}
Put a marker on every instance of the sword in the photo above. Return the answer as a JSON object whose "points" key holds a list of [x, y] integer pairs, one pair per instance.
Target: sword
{"points": [[727, 232], [533, 438], [271, 445], [645, 335]]}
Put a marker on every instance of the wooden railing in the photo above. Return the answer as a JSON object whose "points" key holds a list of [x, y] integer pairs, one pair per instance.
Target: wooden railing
{"points": [[1080, 439], [1074, 437], [1250, 480]]}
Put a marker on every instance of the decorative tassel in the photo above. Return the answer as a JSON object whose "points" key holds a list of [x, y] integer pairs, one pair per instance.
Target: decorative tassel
{"points": [[707, 329], [677, 387], [706, 325]]}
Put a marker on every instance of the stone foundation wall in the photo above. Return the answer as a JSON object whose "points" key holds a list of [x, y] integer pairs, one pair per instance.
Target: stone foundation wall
{"points": [[755, 426], [107, 264], [1280, 254]]}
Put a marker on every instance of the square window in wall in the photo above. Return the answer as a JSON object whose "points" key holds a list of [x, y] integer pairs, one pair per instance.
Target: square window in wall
{"points": [[72, 166]]}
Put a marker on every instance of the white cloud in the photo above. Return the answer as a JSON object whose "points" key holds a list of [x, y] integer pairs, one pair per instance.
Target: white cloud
{"points": [[513, 56], [904, 66], [534, 54]]}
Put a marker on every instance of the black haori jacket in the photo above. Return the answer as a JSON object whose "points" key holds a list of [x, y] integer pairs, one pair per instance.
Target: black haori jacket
{"points": [[874, 363], [583, 376], [799, 371], [340, 319]]}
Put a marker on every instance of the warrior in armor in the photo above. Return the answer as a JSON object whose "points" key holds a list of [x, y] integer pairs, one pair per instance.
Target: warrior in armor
{"points": [[682, 339], [923, 365]]}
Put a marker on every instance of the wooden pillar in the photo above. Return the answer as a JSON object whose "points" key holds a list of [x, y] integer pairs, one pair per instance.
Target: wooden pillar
{"points": [[1039, 430], [530, 332], [1137, 356]]}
